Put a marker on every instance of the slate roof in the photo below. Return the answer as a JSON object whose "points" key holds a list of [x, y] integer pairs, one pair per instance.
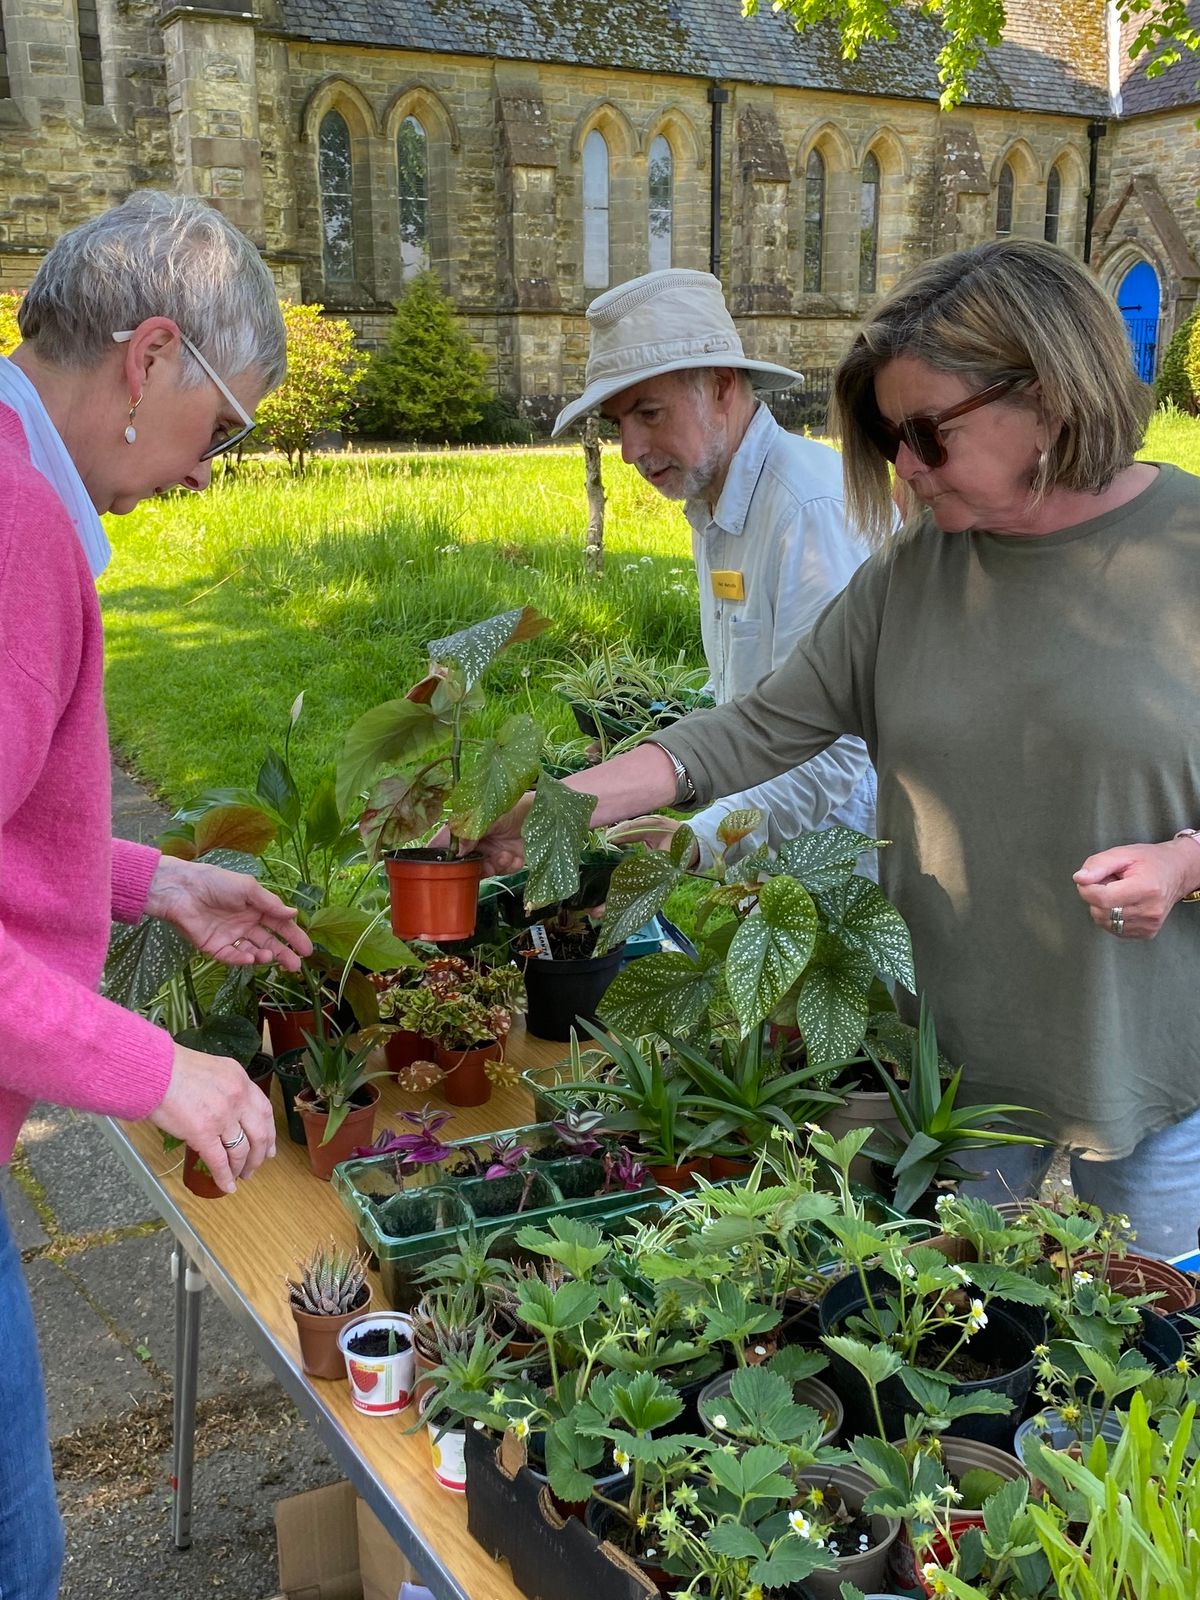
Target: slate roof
{"points": [[1177, 86], [711, 39]]}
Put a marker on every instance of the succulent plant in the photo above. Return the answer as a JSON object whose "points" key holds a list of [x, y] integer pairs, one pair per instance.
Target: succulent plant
{"points": [[330, 1281]]}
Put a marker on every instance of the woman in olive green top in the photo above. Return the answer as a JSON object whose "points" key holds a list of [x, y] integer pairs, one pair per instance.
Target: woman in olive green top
{"points": [[1023, 662]]}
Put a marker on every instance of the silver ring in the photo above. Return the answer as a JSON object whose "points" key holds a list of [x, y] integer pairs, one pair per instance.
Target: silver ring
{"points": [[232, 1144], [1116, 920]]}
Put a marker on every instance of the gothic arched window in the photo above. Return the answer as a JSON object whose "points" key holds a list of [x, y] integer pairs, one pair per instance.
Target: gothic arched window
{"points": [[868, 226], [412, 174], [661, 172], [814, 221], [1004, 201], [595, 211], [335, 175], [1053, 205]]}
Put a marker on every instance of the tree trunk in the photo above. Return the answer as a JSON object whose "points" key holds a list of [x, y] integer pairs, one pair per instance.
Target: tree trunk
{"points": [[593, 549]]}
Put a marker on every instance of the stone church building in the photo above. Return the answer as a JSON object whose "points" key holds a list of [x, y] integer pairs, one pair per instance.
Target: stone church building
{"points": [[533, 152]]}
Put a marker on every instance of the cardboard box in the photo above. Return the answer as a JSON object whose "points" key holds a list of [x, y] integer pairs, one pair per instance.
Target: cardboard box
{"points": [[332, 1546]]}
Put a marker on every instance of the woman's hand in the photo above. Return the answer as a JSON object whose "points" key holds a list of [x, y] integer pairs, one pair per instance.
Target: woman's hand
{"points": [[1143, 881], [210, 1104], [228, 915]]}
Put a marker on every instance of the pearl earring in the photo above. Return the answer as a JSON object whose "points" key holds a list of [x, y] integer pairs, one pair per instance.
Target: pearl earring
{"points": [[131, 431]]}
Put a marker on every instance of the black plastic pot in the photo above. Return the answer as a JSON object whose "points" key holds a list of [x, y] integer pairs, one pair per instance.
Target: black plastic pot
{"points": [[558, 993], [291, 1081], [1162, 1339], [1010, 1336]]}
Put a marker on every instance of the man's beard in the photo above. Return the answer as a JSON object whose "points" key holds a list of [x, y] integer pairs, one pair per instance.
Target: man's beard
{"points": [[694, 483]]}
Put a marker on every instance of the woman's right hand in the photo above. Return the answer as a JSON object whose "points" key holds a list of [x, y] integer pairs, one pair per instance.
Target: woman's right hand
{"points": [[208, 1102]]}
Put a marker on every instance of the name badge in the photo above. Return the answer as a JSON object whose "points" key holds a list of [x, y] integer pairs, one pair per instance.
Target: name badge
{"points": [[728, 585]]}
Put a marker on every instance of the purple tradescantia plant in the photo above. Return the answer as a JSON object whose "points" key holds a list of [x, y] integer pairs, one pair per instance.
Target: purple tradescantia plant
{"points": [[505, 1156], [421, 1147], [623, 1170], [575, 1129]]}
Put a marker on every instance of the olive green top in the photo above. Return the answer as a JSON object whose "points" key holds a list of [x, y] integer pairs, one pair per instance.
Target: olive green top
{"points": [[1026, 702]]}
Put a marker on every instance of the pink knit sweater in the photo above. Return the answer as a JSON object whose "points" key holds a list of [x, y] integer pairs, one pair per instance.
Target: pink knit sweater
{"points": [[61, 874]]}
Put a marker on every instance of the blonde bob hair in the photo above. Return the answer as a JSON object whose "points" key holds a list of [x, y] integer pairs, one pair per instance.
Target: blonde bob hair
{"points": [[1017, 310]]}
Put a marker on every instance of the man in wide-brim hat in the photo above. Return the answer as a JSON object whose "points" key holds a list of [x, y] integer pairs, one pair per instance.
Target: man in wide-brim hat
{"points": [[769, 534]]}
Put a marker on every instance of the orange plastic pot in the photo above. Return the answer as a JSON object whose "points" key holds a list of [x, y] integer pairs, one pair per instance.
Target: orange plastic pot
{"points": [[404, 1047], [201, 1183], [320, 1353], [287, 1025], [434, 897], [466, 1082], [679, 1177], [356, 1128]]}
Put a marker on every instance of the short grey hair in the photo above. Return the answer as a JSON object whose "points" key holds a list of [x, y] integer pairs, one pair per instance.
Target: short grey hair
{"points": [[157, 255]]}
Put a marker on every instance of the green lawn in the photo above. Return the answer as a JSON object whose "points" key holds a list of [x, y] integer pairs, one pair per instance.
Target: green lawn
{"points": [[221, 607]]}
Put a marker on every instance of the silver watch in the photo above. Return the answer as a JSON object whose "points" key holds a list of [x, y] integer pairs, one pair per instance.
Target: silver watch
{"points": [[685, 789]]}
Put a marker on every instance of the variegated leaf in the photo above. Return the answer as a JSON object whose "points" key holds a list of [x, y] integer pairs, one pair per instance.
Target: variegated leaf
{"points": [[770, 950], [638, 890], [737, 824], [666, 993], [504, 767], [556, 833], [476, 647], [141, 959], [859, 914], [831, 1006], [825, 858], [402, 809]]}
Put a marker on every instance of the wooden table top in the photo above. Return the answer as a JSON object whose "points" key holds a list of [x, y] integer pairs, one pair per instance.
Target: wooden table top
{"points": [[247, 1243]]}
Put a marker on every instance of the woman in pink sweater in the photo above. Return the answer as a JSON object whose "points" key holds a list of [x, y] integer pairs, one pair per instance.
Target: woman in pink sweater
{"points": [[150, 335]]}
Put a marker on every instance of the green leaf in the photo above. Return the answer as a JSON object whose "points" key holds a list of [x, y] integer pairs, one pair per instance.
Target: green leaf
{"points": [[668, 992], [504, 767], [876, 1362], [277, 788], [737, 825], [790, 1563], [323, 820], [141, 959], [339, 929], [639, 889], [832, 1009], [224, 1036], [392, 732], [731, 1539], [826, 858], [770, 950], [1001, 1508], [556, 833], [682, 843], [859, 914], [476, 647], [401, 809]]}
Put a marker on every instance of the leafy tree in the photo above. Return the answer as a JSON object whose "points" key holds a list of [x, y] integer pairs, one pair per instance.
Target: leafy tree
{"points": [[428, 381], [973, 26], [10, 334], [1178, 380], [324, 372]]}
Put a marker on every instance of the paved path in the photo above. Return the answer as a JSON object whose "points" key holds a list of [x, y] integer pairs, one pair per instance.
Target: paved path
{"points": [[97, 1261]]}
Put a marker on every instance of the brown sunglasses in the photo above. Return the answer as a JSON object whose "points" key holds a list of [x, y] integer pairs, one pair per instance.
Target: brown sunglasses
{"points": [[922, 435]]}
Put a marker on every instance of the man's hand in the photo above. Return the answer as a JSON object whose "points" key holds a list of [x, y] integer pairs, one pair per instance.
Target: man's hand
{"points": [[209, 1104], [228, 915], [502, 847], [1144, 880]]}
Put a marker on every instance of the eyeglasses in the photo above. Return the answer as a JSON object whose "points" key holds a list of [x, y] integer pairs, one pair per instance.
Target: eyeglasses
{"points": [[922, 435], [231, 438]]}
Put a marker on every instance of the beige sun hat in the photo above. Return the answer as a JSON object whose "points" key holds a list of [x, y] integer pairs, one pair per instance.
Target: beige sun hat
{"points": [[666, 321]]}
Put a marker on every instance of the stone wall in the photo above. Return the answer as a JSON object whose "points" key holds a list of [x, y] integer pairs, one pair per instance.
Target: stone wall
{"points": [[210, 102]]}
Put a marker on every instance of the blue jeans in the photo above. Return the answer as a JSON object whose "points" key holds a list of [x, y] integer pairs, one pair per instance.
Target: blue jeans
{"points": [[1155, 1185], [31, 1533]]}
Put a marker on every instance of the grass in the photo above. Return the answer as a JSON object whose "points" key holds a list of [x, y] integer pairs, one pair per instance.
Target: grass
{"points": [[221, 607]]}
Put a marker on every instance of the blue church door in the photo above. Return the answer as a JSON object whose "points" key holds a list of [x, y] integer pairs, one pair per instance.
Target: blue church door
{"points": [[1138, 298]]}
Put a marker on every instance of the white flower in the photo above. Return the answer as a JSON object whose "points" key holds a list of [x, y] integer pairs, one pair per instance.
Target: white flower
{"points": [[961, 1274], [978, 1318], [800, 1524], [521, 1428], [942, 1201], [719, 1420], [1081, 1278], [630, 566], [621, 1458], [909, 1270]]}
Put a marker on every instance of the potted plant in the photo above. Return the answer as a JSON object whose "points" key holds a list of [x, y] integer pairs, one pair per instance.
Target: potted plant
{"points": [[565, 979], [338, 1106], [449, 1393], [654, 1110], [331, 1288], [933, 1128], [620, 695], [466, 1011], [434, 890], [379, 1362]]}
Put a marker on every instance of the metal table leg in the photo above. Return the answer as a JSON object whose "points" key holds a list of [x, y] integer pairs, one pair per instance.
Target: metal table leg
{"points": [[188, 1286]]}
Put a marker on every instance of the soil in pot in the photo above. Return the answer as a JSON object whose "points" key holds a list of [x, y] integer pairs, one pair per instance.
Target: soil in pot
{"points": [[380, 1382], [861, 1544], [419, 1211], [291, 1080], [320, 1354], [374, 1342], [260, 1071], [510, 1196], [356, 1128], [636, 1546], [561, 991], [999, 1358], [433, 894]]}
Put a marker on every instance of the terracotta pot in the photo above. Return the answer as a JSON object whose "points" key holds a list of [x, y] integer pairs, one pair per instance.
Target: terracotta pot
{"points": [[287, 1025], [260, 1072], [357, 1127], [726, 1167], [404, 1047], [433, 897], [466, 1082], [320, 1355], [200, 1183], [679, 1177], [1135, 1274]]}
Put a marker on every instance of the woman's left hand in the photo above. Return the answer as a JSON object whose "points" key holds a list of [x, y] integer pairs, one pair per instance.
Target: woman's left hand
{"points": [[1141, 881], [228, 915]]}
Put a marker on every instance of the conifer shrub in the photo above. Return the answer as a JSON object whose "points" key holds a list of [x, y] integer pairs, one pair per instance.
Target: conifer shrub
{"points": [[427, 383], [1178, 380]]}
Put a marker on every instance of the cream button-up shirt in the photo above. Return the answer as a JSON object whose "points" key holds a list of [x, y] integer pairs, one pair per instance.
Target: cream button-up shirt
{"points": [[780, 524]]}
